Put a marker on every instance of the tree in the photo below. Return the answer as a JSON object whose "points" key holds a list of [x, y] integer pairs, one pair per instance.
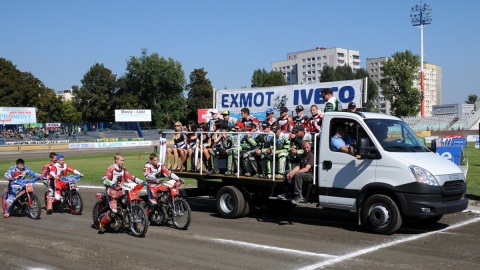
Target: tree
{"points": [[399, 74], [95, 98], [372, 89], [70, 113], [344, 73], [275, 78], [200, 92], [262, 78], [22, 89], [328, 74], [471, 99], [259, 77], [159, 85]]}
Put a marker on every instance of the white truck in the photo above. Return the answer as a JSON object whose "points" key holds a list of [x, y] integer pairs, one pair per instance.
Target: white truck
{"points": [[392, 177]]}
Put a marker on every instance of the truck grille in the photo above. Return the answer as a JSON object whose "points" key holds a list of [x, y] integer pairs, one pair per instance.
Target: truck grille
{"points": [[453, 185]]}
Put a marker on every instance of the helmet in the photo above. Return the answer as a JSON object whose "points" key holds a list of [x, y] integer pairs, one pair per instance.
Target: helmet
{"points": [[269, 111]]}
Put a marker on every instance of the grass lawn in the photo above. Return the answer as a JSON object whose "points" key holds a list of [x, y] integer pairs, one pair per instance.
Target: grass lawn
{"points": [[473, 174], [94, 166]]}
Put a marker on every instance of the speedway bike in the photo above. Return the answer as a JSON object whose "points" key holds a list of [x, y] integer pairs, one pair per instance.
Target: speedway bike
{"points": [[169, 206], [131, 215], [26, 202], [70, 199]]}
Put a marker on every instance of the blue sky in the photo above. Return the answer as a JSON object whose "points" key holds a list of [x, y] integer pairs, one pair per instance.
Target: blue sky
{"points": [[58, 41]]}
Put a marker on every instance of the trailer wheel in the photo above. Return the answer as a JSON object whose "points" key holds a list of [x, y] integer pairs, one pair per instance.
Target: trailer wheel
{"points": [[230, 202], [381, 215]]}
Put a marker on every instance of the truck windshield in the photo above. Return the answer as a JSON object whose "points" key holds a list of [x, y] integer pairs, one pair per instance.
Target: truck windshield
{"points": [[395, 136]]}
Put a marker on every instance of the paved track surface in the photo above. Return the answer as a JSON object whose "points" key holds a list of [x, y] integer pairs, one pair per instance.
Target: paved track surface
{"points": [[306, 238]]}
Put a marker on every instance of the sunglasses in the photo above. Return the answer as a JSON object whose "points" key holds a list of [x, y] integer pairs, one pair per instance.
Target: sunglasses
{"points": [[177, 125]]}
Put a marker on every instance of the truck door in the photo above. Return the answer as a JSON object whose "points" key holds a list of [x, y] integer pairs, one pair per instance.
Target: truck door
{"points": [[342, 175]]}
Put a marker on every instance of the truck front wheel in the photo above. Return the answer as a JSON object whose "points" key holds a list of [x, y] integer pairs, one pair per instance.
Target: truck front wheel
{"points": [[230, 202], [380, 214]]}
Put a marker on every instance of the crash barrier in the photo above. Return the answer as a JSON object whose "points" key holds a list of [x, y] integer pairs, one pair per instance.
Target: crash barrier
{"points": [[38, 147]]}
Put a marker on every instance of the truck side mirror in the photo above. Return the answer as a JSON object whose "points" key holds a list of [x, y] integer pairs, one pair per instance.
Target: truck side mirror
{"points": [[365, 150]]}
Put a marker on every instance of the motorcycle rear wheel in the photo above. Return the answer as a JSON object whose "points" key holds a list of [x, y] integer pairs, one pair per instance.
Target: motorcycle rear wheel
{"points": [[34, 210], [138, 221], [182, 216], [75, 203]]}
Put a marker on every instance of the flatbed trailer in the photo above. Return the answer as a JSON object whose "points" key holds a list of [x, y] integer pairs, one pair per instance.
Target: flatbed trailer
{"points": [[391, 178]]}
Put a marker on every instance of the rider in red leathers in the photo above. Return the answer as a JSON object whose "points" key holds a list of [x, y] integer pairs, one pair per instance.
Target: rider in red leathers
{"points": [[152, 172], [114, 176], [60, 169], [50, 180]]}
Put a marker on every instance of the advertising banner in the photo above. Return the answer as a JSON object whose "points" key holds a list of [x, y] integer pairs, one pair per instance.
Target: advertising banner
{"points": [[260, 99], [53, 125], [454, 154], [17, 115], [133, 115]]}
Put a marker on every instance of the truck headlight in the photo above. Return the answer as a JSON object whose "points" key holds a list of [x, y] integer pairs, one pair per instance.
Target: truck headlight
{"points": [[423, 176]]}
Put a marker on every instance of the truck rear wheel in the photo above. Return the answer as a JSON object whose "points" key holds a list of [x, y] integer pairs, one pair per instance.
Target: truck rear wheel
{"points": [[380, 214], [230, 202]]}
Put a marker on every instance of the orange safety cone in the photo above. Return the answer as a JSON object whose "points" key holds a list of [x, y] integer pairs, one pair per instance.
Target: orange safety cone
{"points": [[139, 155]]}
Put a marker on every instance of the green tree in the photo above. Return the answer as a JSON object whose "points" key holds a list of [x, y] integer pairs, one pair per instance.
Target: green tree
{"points": [[259, 77], [344, 73], [399, 74], [200, 92], [70, 113], [262, 78], [159, 84], [328, 74], [471, 99], [22, 89], [372, 89], [95, 98]]}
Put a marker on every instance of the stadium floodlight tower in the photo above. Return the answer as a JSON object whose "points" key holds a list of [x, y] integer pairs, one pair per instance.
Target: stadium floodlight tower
{"points": [[421, 16]]}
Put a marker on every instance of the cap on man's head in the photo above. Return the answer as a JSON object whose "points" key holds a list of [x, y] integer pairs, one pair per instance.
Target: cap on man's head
{"points": [[213, 111], [269, 111], [352, 105], [299, 108], [265, 124], [284, 109], [226, 112], [59, 156], [298, 128]]}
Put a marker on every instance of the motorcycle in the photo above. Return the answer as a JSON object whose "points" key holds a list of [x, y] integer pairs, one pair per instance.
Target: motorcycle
{"points": [[71, 200], [129, 212], [169, 205], [26, 202]]}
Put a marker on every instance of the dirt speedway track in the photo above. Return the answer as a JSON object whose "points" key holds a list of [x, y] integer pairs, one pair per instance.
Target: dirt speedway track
{"points": [[306, 238]]}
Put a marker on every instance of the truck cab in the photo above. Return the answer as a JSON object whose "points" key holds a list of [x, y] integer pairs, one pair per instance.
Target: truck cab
{"points": [[390, 177]]}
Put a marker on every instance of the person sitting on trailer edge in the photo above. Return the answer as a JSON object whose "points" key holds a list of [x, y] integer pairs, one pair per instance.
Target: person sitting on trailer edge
{"points": [[302, 172]]}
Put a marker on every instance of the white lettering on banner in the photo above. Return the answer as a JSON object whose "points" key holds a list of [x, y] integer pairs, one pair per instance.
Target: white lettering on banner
{"points": [[447, 155], [260, 99]]}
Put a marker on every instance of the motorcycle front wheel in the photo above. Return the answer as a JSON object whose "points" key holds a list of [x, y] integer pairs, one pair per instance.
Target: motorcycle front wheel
{"points": [[34, 209], [181, 214], [138, 221], [75, 203], [97, 210]]}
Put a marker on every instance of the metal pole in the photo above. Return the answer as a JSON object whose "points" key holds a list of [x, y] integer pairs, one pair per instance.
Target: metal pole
{"points": [[422, 85]]}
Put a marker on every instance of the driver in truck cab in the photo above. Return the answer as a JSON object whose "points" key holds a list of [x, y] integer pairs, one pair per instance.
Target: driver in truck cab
{"points": [[341, 142]]}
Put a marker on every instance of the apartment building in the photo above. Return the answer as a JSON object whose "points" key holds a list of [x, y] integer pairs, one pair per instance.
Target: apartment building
{"points": [[305, 67], [432, 85]]}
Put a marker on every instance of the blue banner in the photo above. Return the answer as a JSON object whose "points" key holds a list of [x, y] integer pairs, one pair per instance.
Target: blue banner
{"points": [[454, 154]]}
